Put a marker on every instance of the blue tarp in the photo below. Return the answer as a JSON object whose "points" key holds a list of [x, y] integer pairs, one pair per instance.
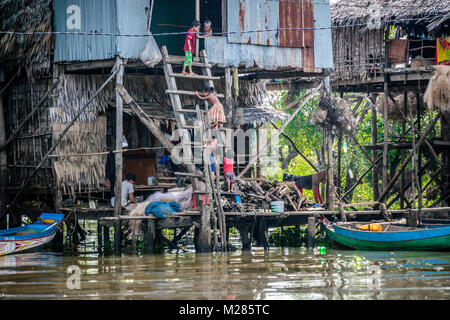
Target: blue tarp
{"points": [[161, 209]]}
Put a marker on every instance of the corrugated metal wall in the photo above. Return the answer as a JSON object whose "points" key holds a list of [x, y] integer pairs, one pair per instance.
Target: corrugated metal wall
{"points": [[246, 15], [323, 53], [296, 14], [98, 16], [226, 54], [307, 49]]}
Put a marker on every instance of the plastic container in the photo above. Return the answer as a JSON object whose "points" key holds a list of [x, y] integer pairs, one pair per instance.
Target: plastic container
{"points": [[277, 206]]}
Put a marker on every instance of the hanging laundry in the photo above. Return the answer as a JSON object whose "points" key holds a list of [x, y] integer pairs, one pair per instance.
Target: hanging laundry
{"points": [[443, 51]]}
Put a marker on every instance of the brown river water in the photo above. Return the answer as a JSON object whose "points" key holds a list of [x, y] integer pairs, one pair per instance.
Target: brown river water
{"points": [[280, 273]]}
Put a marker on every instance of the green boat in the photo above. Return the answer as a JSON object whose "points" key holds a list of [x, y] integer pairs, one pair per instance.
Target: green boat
{"points": [[393, 236]]}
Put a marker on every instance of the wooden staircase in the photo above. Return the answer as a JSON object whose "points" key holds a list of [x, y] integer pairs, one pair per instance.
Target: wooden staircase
{"points": [[195, 149]]}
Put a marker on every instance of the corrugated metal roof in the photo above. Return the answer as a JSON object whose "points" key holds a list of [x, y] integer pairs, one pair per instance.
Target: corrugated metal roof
{"points": [[246, 15], [99, 16], [226, 54]]}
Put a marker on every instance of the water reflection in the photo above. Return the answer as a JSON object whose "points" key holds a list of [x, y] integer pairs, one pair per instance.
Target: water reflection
{"points": [[275, 274]]}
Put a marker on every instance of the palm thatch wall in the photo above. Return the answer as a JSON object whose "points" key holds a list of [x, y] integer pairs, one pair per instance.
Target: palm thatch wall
{"points": [[32, 51]]}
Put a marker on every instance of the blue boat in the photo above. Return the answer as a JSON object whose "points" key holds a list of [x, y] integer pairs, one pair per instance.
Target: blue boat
{"points": [[392, 236], [30, 236]]}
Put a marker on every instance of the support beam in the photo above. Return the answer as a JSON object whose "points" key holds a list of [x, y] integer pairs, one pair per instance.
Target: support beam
{"points": [[3, 166], [384, 176], [375, 172], [118, 155]]}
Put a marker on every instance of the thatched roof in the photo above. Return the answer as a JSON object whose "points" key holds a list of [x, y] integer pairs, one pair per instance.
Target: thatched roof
{"points": [[31, 51], [350, 12]]}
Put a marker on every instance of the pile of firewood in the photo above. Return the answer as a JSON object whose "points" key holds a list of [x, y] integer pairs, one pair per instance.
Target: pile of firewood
{"points": [[257, 197]]}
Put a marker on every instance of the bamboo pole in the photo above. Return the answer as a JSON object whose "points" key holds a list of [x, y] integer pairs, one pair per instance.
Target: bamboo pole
{"points": [[279, 131]]}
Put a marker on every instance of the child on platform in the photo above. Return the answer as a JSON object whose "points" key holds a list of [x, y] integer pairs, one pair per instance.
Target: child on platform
{"points": [[189, 47]]}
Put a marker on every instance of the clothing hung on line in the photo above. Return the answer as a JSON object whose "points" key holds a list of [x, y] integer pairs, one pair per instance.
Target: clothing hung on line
{"points": [[308, 182]]}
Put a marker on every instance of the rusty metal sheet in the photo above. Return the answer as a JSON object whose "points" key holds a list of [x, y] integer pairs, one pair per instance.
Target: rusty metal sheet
{"points": [[252, 15], [296, 14]]}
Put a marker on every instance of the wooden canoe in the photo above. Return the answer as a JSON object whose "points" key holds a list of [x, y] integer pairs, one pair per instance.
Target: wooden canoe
{"points": [[30, 236], [393, 236]]}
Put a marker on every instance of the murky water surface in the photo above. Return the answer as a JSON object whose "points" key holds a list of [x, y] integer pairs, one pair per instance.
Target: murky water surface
{"points": [[277, 274]]}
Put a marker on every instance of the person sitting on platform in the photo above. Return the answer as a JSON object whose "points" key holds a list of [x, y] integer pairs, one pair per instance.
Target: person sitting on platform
{"points": [[127, 200], [216, 114], [228, 169]]}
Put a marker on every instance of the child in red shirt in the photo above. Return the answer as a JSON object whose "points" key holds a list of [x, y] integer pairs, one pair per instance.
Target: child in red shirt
{"points": [[228, 170], [189, 47]]}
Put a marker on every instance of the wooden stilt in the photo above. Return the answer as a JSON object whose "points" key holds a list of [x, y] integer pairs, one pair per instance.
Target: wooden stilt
{"points": [[384, 177], [339, 169], [244, 232], [3, 167], [330, 182], [311, 232], [150, 236], [118, 156], [99, 238], [375, 170], [204, 237]]}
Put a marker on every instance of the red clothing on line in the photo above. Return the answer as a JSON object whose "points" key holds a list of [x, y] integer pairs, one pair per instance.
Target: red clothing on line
{"points": [[228, 165], [190, 38]]}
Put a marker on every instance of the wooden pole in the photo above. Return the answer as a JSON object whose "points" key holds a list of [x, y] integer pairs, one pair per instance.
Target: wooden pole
{"points": [[279, 131], [384, 177], [330, 182], [118, 155], [3, 166], [311, 231], [228, 97], [197, 17], [339, 169], [375, 171]]}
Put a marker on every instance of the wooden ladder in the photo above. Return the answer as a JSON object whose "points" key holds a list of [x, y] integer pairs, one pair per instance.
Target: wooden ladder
{"points": [[201, 127]]}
